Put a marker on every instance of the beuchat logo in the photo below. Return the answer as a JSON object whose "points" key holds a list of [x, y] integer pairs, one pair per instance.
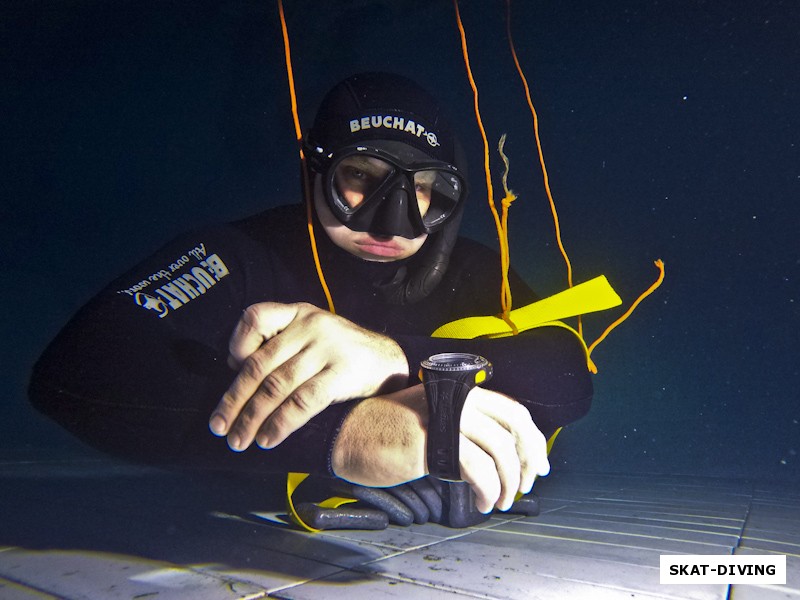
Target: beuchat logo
{"points": [[391, 122]]}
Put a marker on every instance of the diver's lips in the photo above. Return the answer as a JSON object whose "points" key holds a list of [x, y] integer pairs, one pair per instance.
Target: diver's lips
{"points": [[379, 248]]}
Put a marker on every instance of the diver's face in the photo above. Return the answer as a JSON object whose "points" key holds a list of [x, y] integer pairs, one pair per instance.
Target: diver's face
{"points": [[365, 245]]}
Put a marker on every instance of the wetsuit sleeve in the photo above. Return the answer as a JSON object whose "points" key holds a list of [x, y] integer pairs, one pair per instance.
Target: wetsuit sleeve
{"points": [[138, 370]]}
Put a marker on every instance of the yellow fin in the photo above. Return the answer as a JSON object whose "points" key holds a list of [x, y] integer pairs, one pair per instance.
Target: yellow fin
{"points": [[591, 296]]}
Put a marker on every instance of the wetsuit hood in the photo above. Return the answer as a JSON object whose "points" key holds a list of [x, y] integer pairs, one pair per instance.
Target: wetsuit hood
{"points": [[377, 110]]}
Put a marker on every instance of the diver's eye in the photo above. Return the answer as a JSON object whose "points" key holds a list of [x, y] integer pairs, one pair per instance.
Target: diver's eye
{"points": [[358, 178], [355, 173]]}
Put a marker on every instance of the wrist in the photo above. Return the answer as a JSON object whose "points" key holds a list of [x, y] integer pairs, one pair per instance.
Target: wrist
{"points": [[400, 368], [382, 440]]}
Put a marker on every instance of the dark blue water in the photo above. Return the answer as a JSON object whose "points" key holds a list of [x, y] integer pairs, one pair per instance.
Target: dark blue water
{"points": [[670, 131]]}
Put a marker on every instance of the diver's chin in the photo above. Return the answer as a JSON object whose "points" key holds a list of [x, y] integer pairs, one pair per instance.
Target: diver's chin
{"points": [[375, 259]]}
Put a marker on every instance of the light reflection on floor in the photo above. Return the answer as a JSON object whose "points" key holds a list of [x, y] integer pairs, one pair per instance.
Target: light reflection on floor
{"points": [[92, 528]]}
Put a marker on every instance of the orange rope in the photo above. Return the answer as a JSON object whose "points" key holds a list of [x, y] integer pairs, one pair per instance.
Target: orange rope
{"points": [[500, 223], [508, 198], [306, 179], [546, 177], [660, 264]]}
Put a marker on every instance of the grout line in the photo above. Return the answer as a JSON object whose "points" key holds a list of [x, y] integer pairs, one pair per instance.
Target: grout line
{"points": [[600, 543], [435, 542], [729, 591], [744, 521], [435, 586], [27, 586], [665, 518], [623, 533], [294, 584]]}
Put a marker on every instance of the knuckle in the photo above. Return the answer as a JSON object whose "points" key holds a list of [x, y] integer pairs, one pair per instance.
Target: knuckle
{"points": [[308, 312], [320, 319], [274, 386], [309, 398], [521, 413], [505, 440], [251, 314], [519, 418], [487, 469], [276, 424], [254, 369], [523, 424], [492, 490], [228, 402], [248, 417], [306, 307], [257, 411], [505, 449], [296, 410]]}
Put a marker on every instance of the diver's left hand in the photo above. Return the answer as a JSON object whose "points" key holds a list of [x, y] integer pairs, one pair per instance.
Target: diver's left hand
{"points": [[294, 360], [383, 442]]}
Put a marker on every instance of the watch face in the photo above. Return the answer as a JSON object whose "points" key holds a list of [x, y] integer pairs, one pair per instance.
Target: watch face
{"points": [[455, 362]]}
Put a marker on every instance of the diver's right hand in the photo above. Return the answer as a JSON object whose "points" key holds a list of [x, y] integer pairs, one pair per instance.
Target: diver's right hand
{"points": [[293, 361], [383, 443]]}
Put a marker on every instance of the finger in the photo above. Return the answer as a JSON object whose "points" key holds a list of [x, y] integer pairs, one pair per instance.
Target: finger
{"points": [[273, 391], [500, 445], [270, 367], [531, 443], [305, 402], [478, 469], [258, 323]]}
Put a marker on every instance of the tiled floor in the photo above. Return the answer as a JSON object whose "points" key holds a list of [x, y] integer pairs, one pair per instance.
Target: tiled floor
{"points": [[95, 529]]}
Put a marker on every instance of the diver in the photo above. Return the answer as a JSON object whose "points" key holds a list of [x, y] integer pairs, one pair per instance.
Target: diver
{"points": [[226, 328]]}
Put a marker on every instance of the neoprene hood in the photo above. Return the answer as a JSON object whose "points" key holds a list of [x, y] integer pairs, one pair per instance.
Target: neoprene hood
{"points": [[389, 119]]}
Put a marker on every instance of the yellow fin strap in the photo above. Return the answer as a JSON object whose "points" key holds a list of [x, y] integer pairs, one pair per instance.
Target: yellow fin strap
{"points": [[293, 480], [552, 440], [591, 296]]}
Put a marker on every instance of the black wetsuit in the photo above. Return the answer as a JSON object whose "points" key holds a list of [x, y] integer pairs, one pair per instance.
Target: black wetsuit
{"points": [[138, 371]]}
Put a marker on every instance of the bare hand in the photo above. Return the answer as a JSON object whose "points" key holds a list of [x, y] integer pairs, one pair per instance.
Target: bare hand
{"points": [[502, 451], [382, 443], [294, 360]]}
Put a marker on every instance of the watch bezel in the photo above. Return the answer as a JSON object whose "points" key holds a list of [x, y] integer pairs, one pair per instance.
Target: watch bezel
{"points": [[455, 362]]}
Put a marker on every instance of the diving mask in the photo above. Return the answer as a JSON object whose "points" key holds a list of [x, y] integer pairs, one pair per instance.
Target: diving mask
{"points": [[389, 188]]}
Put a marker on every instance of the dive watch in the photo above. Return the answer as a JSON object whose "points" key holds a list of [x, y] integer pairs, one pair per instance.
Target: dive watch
{"points": [[448, 378]]}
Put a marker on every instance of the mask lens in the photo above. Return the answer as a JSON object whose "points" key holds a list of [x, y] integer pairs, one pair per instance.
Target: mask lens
{"points": [[438, 193], [393, 190], [356, 179]]}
